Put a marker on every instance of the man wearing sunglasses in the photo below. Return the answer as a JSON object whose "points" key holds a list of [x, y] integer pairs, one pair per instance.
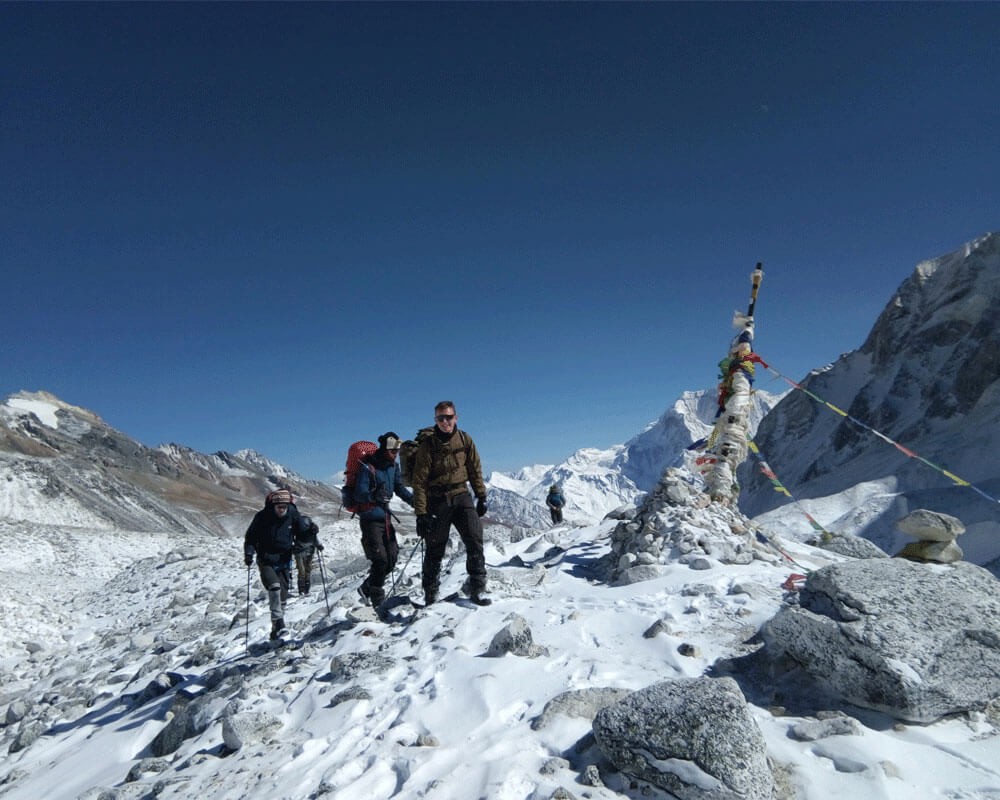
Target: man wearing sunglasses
{"points": [[446, 463]]}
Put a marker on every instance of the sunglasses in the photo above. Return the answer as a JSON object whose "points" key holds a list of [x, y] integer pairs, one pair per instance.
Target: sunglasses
{"points": [[444, 417]]}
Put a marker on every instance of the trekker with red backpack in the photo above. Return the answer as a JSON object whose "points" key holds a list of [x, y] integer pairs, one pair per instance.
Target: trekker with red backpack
{"points": [[378, 479]]}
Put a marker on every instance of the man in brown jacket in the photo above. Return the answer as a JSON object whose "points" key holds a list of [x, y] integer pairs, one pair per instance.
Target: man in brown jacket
{"points": [[446, 463]]}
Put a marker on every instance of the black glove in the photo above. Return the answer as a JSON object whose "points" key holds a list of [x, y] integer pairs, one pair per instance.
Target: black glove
{"points": [[424, 524], [319, 547], [481, 506], [248, 560]]}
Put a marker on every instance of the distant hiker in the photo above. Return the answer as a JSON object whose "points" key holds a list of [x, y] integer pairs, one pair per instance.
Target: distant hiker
{"points": [[555, 501], [271, 537], [378, 480], [305, 548], [445, 463]]}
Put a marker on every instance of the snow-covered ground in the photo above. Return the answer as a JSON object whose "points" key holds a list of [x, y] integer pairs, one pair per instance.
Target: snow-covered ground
{"points": [[429, 715]]}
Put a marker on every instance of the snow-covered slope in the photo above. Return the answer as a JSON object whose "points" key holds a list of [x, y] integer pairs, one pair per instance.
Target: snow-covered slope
{"points": [[596, 482], [151, 690], [928, 377]]}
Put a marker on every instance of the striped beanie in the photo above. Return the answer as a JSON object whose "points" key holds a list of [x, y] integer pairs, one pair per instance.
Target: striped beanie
{"points": [[279, 496]]}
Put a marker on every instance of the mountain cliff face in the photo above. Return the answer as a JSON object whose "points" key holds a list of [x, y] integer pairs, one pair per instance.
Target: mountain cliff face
{"points": [[596, 482], [928, 377], [65, 466]]}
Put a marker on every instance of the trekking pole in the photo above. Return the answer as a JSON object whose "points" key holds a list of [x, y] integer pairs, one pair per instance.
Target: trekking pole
{"points": [[400, 577], [322, 575], [246, 635]]}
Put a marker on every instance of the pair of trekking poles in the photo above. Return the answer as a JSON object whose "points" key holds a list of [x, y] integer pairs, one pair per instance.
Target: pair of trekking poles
{"points": [[326, 596]]}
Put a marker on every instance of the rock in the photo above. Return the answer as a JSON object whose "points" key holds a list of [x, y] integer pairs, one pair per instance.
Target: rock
{"points": [[515, 638], [931, 526], [187, 718], [916, 641], [813, 730], [251, 727], [348, 666], [645, 572], [583, 703], [15, 711], [938, 552], [654, 630], [693, 737], [851, 546]]}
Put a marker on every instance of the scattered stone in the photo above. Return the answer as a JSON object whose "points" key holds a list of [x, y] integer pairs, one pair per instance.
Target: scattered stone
{"points": [[654, 630], [515, 638], [693, 737], [349, 666], [252, 727], [579, 703], [813, 730]]}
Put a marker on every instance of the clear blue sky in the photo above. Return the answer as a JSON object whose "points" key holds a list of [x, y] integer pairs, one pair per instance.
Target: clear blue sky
{"points": [[292, 226]]}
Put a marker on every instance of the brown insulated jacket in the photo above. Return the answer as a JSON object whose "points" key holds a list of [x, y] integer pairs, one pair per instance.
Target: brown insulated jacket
{"points": [[443, 465]]}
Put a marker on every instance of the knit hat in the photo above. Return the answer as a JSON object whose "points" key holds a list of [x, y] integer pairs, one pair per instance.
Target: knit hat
{"points": [[389, 441], [279, 496]]}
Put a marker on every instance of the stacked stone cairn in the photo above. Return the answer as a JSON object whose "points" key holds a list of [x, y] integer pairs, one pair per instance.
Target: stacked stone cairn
{"points": [[935, 534], [677, 523]]}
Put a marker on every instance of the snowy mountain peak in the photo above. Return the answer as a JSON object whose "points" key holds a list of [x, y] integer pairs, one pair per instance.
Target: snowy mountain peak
{"points": [[928, 378], [596, 482]]}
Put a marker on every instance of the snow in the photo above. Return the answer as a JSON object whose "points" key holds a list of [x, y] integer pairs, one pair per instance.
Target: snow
{"points": [[110, 611], [44, 410]]}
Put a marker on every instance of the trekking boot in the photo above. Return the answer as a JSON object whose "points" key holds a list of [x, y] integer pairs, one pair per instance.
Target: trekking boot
{"points": [[430, 595], [277, 628], [478, 597]]}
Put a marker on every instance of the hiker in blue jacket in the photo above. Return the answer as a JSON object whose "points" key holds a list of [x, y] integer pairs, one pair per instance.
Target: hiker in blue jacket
{"points": [[378, 480], [555, 501]]}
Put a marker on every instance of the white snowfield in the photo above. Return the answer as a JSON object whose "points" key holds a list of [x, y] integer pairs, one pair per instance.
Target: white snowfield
{"points": [[428, 715]]}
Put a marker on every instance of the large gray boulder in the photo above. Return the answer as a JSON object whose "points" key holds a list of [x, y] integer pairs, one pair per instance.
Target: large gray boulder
{"points": [[916, 641], [693, 737]]}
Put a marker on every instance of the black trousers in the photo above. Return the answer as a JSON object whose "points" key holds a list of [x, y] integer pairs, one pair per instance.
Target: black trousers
{"points": [[459, 511], [378, 540]]}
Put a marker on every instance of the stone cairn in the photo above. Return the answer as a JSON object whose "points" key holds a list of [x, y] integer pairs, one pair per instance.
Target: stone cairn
{"points": [[677, 523], [935, 534]]}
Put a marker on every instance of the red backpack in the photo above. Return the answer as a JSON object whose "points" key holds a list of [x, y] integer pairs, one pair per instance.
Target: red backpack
{"points": [[357, 454]]}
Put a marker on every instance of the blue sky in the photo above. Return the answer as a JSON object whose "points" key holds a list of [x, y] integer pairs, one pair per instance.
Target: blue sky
{"points": [[291, 226]]}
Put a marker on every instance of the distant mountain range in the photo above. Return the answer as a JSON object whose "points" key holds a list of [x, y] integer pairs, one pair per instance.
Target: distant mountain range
{"points": [[65, 466], [927, 377], [596, 482]]}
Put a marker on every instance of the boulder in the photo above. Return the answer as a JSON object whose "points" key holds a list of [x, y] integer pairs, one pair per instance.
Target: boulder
{"points": [[693, 737], [938, 552], [916, 641], [931, 526]]}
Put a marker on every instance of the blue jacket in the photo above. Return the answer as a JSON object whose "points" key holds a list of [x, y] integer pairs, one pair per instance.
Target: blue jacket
{"points": [[379, 487]]}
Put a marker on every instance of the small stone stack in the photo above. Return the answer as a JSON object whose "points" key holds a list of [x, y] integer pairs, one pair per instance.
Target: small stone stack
{"points": [[935, 534]]}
